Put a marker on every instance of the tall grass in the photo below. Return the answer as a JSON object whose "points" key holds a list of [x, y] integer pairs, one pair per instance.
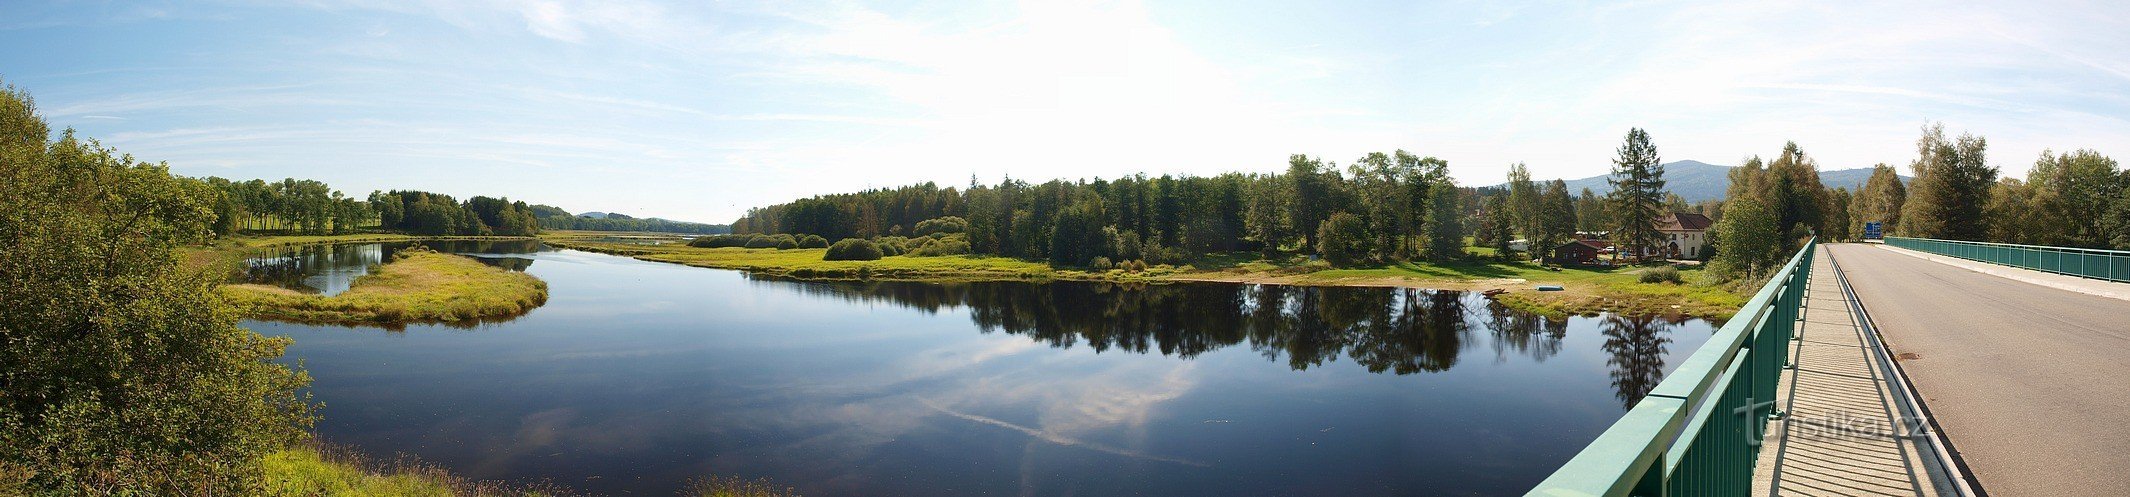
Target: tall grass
{"points": [[419, 286]]}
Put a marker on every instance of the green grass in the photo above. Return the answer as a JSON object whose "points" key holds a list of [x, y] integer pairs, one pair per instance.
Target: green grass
{"points": [[420, 286], [305, 471], [1586, 290], [317, 469]]}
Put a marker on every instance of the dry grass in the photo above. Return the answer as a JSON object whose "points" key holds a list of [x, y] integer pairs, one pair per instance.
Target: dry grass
{"points": [[419, 287]]}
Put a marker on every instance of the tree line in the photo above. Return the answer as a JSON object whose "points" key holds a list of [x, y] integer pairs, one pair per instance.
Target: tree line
{"points": [[555, 218], [1380, 208]]}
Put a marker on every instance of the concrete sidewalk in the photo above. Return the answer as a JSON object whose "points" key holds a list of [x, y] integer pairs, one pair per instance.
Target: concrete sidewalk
{"points": [[1840, 436]]}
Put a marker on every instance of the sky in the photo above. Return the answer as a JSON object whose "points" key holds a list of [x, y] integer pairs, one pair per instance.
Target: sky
{"points": [[699, 110]]}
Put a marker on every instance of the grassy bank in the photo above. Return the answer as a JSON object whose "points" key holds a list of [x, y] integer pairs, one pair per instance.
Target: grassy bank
{"points": [[1584, 290], [312, 470], [807, 263], [420, 286]]}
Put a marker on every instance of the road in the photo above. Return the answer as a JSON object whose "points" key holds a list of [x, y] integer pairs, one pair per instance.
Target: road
{"points": [[2030, 383]]}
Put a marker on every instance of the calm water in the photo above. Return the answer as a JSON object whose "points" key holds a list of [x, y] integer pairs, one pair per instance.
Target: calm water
{"points": [[637, 376], [329, 269]]}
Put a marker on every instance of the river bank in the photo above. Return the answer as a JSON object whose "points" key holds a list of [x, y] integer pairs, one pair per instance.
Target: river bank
{"points": [[419, 286], [1584, 291]]}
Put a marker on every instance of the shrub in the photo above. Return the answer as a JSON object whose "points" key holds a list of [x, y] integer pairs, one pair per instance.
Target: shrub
{"points": [[1136, 266], [1666, 274], [785, 242], [813, 242], [1343, 240], [853, 249], [761, 241], [1100, 264], [715, 241], [948, 224], [891, 246], [941, 247]]}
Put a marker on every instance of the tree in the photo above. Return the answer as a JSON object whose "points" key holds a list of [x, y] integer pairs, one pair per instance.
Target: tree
{"points": [[1556, 216], [1077, 235], [1794, 191], [1637, 194], [1310, 197], [1445, 225], [1523, 201], [1343, 240], [1495, 230], [125, 372], [1747, 241], [1952, 185], [1590, 212], [1837, 209], [2073, 193], [2014, 217], [1881, 200], [1267, 219]]}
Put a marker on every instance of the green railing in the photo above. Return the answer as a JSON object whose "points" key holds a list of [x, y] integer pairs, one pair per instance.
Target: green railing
{"points": [[1699, 431], [2110, 265]]}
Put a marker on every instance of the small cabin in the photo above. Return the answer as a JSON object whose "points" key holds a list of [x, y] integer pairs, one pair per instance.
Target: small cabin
{"points": [[1579, 253]]}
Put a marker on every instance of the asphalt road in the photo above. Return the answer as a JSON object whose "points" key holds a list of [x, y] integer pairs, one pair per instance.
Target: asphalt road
{"points": [[2031, 384]]}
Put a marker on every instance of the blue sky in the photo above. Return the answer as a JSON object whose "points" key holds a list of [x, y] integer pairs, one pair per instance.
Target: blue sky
{"points": [[698, 110]]}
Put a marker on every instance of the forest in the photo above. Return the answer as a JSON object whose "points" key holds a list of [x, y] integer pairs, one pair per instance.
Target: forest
{"points": [[1399, 206]]}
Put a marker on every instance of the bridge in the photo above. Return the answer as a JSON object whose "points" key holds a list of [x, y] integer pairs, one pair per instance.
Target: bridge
{"points": [[1910, 368]]}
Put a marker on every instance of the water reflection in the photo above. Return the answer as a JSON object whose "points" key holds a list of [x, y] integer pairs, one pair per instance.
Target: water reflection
{"points": [[1636, 345], [637, 376], [330, 269], [1401, 331]]}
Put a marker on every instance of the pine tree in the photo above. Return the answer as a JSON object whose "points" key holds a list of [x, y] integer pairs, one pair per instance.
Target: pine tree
{"points": [[1637, 199], [1952, 186]]}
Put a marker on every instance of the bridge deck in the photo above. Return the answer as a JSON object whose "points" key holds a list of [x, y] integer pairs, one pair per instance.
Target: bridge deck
{"points": [[1839, 437], [2026, 380]]}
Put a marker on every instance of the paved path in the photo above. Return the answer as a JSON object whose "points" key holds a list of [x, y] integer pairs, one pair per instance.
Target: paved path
{"points": [[1839, 437], [2030, 383]]}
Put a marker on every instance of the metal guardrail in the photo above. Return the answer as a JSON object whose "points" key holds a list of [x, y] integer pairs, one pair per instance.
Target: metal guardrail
{"points": [[2109, 265], [1699, 431]]}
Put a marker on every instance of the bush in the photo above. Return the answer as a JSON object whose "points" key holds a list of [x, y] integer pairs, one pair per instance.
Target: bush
{"points": [[813, 242], [948, 224], [785, 242], [1666, 274], [1100, 264], [715, 241], [761, 241], [891, 246], [1343, 240], [853, 249], [942, 247]]}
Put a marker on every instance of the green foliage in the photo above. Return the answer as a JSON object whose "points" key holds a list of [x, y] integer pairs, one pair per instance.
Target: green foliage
{"points": [[813, 241], [1343, 240], [945, 224], [427, 213], [942, 246], [1952, 187], [1880, 201], [891, 246], [715, 241], [1637, 200], [125, 373], [853, 249], [784, 241], [1748, 244], [761, 241], [1661, 274]]}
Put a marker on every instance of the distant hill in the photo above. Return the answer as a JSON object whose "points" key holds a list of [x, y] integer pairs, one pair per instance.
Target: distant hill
{"points": [[1698, 181]]}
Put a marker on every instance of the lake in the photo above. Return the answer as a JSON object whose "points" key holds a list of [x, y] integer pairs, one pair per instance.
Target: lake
{"points": [[636, 376]]}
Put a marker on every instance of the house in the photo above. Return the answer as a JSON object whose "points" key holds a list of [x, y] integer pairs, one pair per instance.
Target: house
{"points": [[1580, 252], [1685, 235]]}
